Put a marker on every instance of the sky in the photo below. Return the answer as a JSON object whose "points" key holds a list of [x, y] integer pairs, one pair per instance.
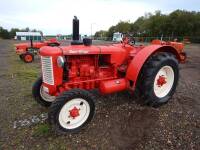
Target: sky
{"points": [[55, 16]]}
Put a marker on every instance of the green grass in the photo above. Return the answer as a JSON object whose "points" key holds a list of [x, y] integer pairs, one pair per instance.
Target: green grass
{"points": [[41, 130], [23, 71], [26, 74]]}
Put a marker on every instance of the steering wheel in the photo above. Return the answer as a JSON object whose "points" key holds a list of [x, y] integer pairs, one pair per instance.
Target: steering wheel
{"points": [[128, 39]]}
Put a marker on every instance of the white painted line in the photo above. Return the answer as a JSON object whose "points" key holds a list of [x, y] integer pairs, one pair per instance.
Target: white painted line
{"points": [[35, 119]]}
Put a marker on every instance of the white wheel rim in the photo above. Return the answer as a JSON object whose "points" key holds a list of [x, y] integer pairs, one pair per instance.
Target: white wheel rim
{"points": [[45, 96], [67, 121], [162, 88]]}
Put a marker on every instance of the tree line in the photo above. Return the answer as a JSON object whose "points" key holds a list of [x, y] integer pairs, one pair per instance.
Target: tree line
{"points": [[6, 34], [179, 23]]}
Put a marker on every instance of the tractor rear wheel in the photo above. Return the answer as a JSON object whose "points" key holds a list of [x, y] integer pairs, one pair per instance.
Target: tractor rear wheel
{"points": [[28, 57], [158, 79], [40, 95], [71, 111]]}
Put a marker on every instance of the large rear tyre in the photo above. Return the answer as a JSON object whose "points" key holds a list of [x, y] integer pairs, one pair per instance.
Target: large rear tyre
{"points": [[158, 79], [71, 111], [40, 95], [28, 57]]}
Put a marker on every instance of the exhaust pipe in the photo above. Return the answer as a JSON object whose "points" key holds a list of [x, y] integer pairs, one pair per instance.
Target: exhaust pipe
{"points": [[31, 40], [75, 36], [75, 29]]}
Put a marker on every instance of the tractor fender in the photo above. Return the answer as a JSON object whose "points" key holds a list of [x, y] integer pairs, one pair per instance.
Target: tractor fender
{"points": [[141, 57]]}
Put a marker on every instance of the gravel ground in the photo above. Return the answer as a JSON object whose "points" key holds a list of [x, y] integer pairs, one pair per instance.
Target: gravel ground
{"points": [[119, 122]]}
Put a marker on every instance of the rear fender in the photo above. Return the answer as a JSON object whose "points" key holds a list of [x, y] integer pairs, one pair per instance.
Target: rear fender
{"points": [[141, 57]]}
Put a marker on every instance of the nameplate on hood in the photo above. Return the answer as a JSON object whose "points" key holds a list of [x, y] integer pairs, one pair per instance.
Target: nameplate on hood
{"points": [[78, 51]]}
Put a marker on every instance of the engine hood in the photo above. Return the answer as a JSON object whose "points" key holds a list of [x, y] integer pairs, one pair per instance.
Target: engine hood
{"points": [[50, 51], [28, 44], [94, 49], [118, 52], [81, 50], [22, 45]]}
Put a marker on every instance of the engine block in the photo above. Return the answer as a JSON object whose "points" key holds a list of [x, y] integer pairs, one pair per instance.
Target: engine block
{"points": [[89, 68]]}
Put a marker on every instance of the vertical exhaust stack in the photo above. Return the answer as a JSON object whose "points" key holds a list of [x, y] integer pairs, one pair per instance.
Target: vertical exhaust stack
{"points": [[75, 29], [31, 40], [75, 36]]}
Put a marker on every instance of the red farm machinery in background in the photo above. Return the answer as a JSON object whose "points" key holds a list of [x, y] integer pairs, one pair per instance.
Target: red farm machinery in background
{"points": [[27, 51], [70, 72]]}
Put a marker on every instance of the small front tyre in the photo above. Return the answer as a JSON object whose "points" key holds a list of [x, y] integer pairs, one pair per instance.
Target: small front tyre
{"points": [[71, 111], [28, 57], [21, 56]]}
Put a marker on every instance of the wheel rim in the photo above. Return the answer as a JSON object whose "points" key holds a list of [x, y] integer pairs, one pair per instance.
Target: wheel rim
{"points": [[46, 96], [74, 113], [163, 81], [28, 58]]}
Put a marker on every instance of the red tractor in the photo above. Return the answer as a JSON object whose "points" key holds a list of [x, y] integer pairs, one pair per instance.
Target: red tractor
{"points": [[26, 51], [69, 72]]}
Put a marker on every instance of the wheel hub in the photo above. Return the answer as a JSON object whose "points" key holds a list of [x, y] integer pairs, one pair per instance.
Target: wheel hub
{"points": [[28, 58], [74, 112], [161, 81]]}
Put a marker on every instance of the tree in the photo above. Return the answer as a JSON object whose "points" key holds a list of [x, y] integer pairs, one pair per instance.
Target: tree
{"points": [[34, 30], [178, 23], [110, 32], [13, 31], [4, 33], [123, 27], [100, 33]]}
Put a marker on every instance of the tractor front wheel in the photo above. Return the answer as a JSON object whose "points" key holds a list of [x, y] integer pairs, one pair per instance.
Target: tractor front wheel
{"points": [[21, 56], [28, 57], [40, 95], [71, 111], [158, 79]]}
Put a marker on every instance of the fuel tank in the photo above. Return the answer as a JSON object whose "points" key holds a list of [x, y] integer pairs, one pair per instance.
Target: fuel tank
{"points": [[111, 86]]}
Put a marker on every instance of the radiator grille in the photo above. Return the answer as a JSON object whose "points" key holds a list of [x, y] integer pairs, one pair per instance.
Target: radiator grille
{"points": [[47, 70]]}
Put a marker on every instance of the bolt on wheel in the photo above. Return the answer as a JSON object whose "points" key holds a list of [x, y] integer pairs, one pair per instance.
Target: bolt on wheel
{"points": [[28, 58], [40, 95], [158, 79], [74, 113], [71, 111], [163, 81], [45, 96]]}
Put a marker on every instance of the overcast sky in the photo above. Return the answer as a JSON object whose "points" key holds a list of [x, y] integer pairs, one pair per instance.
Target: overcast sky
{"points": [[55, 16]]}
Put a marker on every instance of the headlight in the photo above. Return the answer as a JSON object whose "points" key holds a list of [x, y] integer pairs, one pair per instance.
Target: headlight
{"points": [[60, 61]]}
